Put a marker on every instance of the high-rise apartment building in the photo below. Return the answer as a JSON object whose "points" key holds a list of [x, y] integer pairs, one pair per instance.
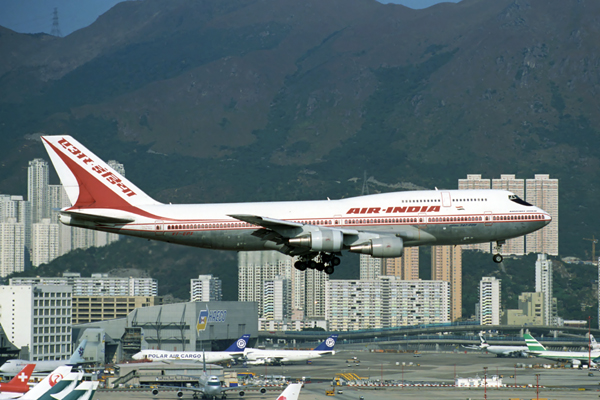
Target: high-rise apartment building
{"points": [[406, 267], [57, 196], [37, 189], [206, 288], [18, 210], [543, 284], [12, 247], [277, 299], [542, 192], [44, 242], [370, 267], [307, 287], [38, 317], [446, 265], [489, 300], [385, 302]]}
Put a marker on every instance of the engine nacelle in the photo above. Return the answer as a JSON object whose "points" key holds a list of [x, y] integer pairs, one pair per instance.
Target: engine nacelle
{"points": [[180, 394], [155, 392], [241, 393], [263, 390], [384, 247], [328, 240]]}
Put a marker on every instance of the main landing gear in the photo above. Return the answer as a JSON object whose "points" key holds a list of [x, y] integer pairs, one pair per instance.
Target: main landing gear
{"points": [[321, 262], [498, 248]]}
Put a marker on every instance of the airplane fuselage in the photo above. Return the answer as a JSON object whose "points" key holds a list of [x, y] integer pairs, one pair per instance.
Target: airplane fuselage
{"points": [[418, 217], [282, 356], [196, 356]]}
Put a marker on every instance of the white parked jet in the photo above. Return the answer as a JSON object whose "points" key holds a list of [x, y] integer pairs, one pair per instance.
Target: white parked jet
{"points": [[14, 366], [234, 351], [500, 351], [260, 356], [575, 357], [316, 231]]}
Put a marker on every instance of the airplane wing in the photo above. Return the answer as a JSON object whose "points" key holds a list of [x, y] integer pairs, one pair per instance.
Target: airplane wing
{"points": [[279, 225]]}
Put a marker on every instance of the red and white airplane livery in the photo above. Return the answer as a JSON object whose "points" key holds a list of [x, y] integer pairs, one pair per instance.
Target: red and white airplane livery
{"points": [[316, 231]]}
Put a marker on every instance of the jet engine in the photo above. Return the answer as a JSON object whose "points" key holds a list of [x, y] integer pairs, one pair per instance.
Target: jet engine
{"points": [[387, 246], [327, 240]]}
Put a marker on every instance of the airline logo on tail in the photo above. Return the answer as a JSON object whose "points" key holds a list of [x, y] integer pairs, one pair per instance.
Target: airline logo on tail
{"points": [[327, 344], [239, 344], [533, 345]]}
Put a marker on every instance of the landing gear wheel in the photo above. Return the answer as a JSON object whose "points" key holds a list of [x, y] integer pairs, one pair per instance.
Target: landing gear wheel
{"points": [[497, 258], [300, 265], [320, 266], [312, 264], [335, 261], [329, 269]]}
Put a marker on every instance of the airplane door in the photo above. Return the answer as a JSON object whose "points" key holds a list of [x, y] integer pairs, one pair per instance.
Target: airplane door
{"points": [[446, 200], [159, 228], [422, 221], [487, 218]]}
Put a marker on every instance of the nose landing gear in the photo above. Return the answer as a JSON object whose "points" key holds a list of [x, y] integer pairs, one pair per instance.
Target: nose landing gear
{"points": [[498, 248]]}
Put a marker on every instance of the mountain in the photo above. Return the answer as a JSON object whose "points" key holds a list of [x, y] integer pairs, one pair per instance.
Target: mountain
{"points": [[236, 100]]}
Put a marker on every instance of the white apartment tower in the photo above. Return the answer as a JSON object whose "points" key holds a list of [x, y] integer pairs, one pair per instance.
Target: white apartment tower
{"points": [[543, 192], [206, 288], [44, 242], [57, 196], [370, 267], [12, 247], [543, 284], [307, 288], [489, 301], [37, 189], [38, 317], [277, 299]]}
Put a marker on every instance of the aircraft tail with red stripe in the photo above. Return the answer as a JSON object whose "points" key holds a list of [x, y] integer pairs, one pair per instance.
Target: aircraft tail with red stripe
{"points": [[89, 181], [18, 384]]}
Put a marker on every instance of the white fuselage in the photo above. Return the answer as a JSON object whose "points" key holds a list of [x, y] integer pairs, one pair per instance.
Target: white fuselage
{"points": [[582, 356], [506, 350], [444, 217], [196, 356], [14, 366], [260, 356]]}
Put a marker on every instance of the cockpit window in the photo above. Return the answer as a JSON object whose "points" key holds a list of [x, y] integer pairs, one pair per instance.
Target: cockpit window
{"points": [[518, 200]]}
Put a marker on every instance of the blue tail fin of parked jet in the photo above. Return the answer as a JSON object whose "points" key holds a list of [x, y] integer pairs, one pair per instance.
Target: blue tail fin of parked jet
{"points": [[327, 344], [240, 344]]}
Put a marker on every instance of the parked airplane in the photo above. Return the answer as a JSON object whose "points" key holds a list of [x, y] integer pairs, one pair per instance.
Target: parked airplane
{"points": [[500, 351], [49, 385], [316, 231], [13, 366], [260, 356], [575, 357], [593, 344], [234, 351], [291, 392], [209, 386], [18, 384]]}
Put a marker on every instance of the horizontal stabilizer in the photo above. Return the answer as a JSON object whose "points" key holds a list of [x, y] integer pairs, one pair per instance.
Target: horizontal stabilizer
{"points": [[101, 219]]}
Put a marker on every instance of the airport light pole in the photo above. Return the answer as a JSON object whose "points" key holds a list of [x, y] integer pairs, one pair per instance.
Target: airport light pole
{"points": [[589, 342], [537, 386], [485, 383]]}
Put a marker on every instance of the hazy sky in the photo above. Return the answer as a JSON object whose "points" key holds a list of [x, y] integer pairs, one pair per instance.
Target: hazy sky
{"points": [[34, 16]]}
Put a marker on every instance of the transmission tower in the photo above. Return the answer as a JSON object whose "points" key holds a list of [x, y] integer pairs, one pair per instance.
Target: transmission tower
{"points": [[55, 28], [365, 188]]}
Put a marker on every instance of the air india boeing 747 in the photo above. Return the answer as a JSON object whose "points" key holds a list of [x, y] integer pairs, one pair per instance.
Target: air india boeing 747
{"points": [[316, 232]]}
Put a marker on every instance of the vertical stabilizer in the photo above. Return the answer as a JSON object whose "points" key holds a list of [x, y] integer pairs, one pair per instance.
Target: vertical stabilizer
{"points": [[328, 344], [239, 345], [533, 345]]}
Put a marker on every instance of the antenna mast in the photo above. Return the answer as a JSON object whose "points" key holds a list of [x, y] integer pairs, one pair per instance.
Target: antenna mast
{"points": [[55, 28]]}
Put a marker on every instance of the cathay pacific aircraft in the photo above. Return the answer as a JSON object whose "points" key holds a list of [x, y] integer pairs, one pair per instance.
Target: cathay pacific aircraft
{"points": [[575, 357], [317, 232]]}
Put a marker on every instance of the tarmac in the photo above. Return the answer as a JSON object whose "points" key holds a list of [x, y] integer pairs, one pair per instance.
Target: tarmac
{"points": [[427, 369]]}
